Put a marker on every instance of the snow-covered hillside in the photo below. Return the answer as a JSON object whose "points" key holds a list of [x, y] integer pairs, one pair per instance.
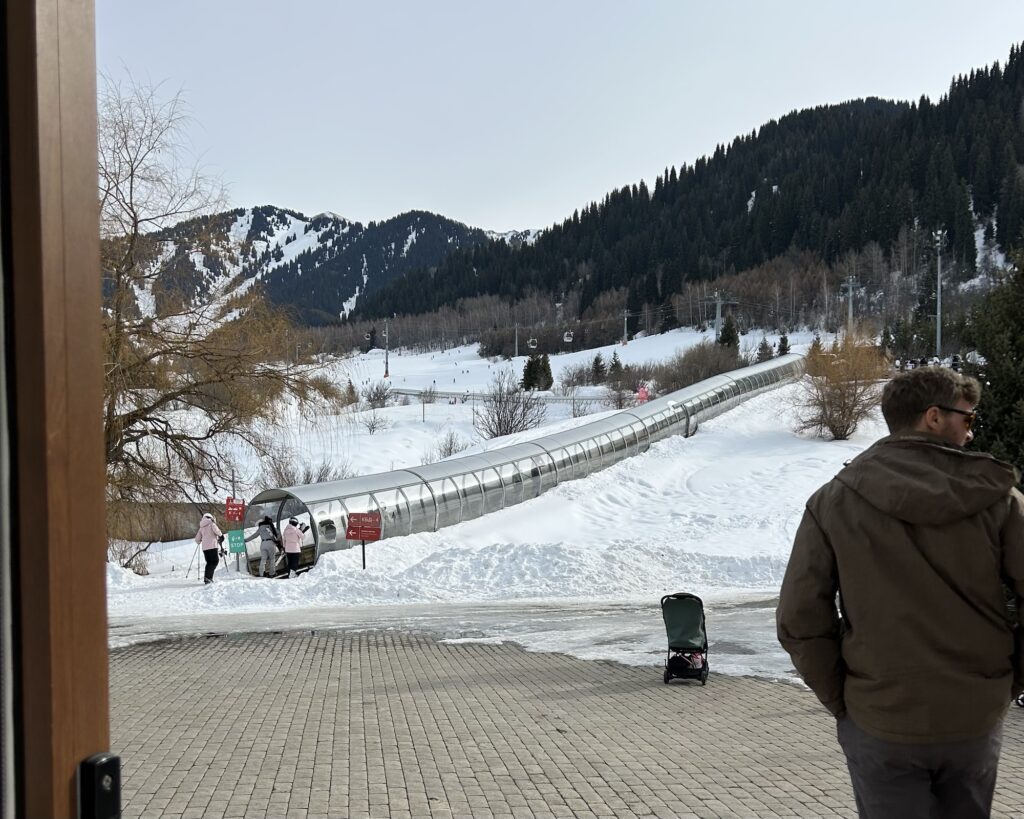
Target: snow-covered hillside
{"points": [[413, 430], [319, 265]]}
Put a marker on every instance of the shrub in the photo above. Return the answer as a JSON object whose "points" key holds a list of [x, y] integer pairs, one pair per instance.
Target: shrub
{"points": [[350, 395], [694, 364], [378, 395], [577, 375], [619, 398], [840, 389], [581, 407], [374, 423], [451, 444], [129, 554]]}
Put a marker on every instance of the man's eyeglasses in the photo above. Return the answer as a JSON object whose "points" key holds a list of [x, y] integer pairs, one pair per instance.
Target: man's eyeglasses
{"points": [[970, 416]]}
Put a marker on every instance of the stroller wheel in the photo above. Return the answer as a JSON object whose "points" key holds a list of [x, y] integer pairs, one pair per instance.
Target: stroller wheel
{"points": [[668, 676], [704, 674], [1020, 700]]}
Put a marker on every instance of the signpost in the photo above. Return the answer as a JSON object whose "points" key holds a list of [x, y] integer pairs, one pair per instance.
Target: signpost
{"points": [[236, 541], [234, 511], [363, 526]]}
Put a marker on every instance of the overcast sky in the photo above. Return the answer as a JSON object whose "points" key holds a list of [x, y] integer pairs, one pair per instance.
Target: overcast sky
{"points": [[509, 115]]}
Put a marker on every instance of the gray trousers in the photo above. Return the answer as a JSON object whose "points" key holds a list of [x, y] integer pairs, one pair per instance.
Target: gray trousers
{"points": [[910, 781], [268, 556]]}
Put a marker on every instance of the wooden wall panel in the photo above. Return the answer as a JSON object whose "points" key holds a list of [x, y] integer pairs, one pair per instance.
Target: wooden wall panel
{"points": [[59, 528]]}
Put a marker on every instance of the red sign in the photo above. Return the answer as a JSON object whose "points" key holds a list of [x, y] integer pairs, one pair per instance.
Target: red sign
{"points": [[642, 394], [234, 509], [363, 526]]}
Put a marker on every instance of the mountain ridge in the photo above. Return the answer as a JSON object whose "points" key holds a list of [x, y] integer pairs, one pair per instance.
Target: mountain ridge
{"points": [[319, 266]]}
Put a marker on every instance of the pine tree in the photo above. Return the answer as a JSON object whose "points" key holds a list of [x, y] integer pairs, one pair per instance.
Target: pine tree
{"points": [[615, 370], [764, 350], [730, 336], [598, 372], [783, 344], [816, 346], [529, 381], [1000, 426], [544, 378]]}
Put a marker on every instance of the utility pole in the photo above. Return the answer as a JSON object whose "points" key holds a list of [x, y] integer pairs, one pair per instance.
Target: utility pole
{"points": [[824, 290], [625, 327], [849, 286], [940, 238], [517, 341], [718, 300], [238, 568], [386, 373]]}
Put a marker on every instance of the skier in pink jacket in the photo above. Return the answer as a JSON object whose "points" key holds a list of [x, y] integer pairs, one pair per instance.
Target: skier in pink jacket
{"points": [[209, 537], [292, 537]]}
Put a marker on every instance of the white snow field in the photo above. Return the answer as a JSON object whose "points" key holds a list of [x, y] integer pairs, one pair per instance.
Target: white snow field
{"points": [[414, 430], [579, 570]]}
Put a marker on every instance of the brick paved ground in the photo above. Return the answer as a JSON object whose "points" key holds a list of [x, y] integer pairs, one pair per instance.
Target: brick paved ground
{"points": [[337, 724]]}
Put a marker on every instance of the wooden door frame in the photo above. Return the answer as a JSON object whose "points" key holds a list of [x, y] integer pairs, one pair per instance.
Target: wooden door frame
{"points": [[55, 384]]}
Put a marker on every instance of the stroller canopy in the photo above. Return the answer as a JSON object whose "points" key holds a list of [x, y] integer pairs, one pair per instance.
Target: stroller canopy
{"points": [[684, 622]]}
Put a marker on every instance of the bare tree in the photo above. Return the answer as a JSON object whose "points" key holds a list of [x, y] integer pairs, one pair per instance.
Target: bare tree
{"points": [[507, 409], [184, 382], [281, 470]]}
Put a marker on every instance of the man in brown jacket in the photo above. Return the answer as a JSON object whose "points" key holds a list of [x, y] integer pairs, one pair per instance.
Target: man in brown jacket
{"points": [[894, 605]]}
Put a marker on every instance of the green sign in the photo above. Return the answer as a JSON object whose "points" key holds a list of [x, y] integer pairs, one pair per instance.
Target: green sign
{"points": [[236, 541]]}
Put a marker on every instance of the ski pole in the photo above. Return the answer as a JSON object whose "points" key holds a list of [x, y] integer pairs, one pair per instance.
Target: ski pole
{"points": [[187, 573]]}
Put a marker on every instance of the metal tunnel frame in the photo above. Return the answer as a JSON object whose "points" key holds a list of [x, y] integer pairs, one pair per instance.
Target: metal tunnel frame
{"points": [[429, 497]]}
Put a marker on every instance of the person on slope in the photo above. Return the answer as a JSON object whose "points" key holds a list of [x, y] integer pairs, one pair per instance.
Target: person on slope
{"points": [[270, 545], [921, 658], [209, 537], [292, 536]]}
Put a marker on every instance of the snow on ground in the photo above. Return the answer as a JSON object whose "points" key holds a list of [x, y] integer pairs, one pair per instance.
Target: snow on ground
{"points": [[462, 370], [580, 569], [415, 429]]}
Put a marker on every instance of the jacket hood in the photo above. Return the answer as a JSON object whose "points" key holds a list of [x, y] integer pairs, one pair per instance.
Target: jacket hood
{"points": [[923, 480]]}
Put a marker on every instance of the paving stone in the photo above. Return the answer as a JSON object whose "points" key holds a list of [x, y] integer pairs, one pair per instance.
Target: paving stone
{"points": [[375, 725]]}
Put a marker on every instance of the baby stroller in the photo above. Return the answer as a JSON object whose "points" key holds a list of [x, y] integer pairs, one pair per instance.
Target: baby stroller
{"points": [[687, 637]]}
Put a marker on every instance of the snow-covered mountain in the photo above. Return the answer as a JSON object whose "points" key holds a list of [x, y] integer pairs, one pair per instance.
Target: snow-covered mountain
{"points": [[515, 237], [319, 265]]}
